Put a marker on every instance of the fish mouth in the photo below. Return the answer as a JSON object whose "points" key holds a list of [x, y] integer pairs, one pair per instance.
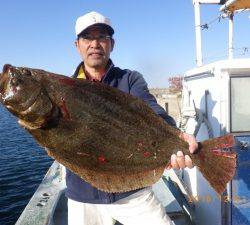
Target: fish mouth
{"points": [[39, 113], [25, 106]]}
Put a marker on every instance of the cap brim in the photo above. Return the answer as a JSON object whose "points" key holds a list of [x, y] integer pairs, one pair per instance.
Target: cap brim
{"points": [[109, 29]]}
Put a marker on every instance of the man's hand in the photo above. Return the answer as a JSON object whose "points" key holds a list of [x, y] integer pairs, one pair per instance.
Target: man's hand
{"points": [[178, 160]]}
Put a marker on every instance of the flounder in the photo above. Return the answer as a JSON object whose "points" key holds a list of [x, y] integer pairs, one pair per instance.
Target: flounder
{"points": [[111, 139]]}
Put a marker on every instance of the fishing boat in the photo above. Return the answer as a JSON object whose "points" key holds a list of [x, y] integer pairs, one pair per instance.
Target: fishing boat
{"points": [[215, 102]]}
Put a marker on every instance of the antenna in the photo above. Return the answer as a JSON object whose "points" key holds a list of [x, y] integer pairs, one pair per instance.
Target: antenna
{"points": [[196, 4], [230, 36], [230, 7]]}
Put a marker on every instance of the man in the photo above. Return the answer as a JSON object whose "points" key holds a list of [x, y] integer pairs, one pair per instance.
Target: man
{"points": [[86, 204]]}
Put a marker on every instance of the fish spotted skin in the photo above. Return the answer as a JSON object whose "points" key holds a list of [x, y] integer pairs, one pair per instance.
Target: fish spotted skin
{"points": [[111, 139]]}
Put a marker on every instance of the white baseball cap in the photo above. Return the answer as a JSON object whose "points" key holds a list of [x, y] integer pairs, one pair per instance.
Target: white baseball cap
{"points": [[90, 19]]}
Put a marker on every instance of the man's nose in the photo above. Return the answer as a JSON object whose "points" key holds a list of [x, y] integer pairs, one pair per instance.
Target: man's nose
{"points": [[95, 43]]}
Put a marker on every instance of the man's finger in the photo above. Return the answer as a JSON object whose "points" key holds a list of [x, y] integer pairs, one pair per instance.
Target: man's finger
{"points": [[174, 163], [180, 159], [188, 162], [193, 145]]}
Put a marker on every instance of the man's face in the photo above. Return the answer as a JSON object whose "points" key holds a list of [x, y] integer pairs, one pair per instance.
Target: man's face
{"points": [[95, 46]]}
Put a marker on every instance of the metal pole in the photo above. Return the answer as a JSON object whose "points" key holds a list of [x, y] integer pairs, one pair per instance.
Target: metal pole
{"points": [[198, 32], [230, 37]]}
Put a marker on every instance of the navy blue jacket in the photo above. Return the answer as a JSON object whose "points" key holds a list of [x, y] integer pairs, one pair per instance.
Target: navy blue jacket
{"points": [[130, 82]]}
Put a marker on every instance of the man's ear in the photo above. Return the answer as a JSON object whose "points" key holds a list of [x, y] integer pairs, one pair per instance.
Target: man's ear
{"points": [[112, 44], [77, 45]]}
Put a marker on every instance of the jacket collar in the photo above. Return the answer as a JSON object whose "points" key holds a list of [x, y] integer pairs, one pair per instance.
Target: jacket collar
{"points": [[110, 66]]}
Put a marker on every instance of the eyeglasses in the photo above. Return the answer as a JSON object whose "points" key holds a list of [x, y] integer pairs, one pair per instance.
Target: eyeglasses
{"points": [[90, 38]]}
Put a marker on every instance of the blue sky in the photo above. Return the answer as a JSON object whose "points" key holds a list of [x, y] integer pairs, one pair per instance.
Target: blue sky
{"points": [[154, 37]]}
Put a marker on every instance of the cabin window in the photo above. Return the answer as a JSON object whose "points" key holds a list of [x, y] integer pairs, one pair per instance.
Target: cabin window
{"points": [[240, 104]]}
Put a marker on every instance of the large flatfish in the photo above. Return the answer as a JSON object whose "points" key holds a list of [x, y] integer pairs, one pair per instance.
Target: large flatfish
{"points": [[111, 139]]}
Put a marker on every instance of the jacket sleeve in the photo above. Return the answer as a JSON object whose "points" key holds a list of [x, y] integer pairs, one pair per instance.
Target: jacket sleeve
{"points": [[139, 88]]}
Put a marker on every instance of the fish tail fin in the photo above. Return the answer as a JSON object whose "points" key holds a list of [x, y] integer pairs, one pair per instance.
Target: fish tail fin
{"points": [[217, 161]]}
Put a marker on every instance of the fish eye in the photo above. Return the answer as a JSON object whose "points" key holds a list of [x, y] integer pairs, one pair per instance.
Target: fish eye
{"points": [[26, 72]]}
